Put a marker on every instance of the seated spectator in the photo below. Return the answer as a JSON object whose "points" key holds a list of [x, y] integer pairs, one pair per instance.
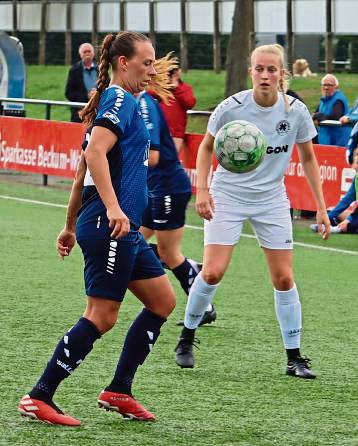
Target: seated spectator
{"points": [[352, 143], [352, 116], [344, 217], [333, 105], [82, 79], [175, 111]]}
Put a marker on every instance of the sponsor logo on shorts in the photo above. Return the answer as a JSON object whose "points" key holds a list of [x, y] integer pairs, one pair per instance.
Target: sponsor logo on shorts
{"points": [[160, 221], [288, 241]]}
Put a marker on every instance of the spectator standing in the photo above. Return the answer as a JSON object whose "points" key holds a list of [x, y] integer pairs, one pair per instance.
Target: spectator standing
{"points": [[82, 79], [333, 105], [175, 112]]}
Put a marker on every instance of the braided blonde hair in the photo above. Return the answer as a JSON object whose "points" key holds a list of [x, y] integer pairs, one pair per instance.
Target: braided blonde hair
{"points": [[284, 81], [161, 84]]}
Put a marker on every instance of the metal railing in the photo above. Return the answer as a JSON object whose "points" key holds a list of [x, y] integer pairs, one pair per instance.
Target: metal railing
{"points": [[49, 104]]}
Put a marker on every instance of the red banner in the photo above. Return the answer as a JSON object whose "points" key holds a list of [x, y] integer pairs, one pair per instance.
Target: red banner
{"points": [[38, 146], [54, 148], [336, 174]]}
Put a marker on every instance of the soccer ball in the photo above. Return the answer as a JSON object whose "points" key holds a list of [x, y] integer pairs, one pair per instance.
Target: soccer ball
{"points": [[239, 146]]}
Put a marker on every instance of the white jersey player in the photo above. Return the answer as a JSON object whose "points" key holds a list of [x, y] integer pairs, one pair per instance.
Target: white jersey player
{"points": [[259, 197]]}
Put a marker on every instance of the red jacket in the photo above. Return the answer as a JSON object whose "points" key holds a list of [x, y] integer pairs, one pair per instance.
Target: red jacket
{"points": [[175, 112]]}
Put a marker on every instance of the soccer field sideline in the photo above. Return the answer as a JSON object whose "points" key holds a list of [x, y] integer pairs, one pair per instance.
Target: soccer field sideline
{"points": [[193, 227]]}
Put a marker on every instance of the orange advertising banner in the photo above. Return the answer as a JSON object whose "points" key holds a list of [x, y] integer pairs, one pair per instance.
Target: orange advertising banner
{"points": [[39, 146], [54, 148], [336, 174]]}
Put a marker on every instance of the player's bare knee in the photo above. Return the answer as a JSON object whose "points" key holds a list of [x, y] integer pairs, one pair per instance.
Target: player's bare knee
{"points": [[168, 256], [163, 307], [283, 282], [212, 276]]}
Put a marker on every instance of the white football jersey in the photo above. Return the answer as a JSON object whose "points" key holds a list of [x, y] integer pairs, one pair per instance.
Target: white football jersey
{"points": [[282, 130]]}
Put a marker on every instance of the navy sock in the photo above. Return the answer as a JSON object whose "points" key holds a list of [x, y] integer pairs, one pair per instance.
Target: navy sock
{"points": [[293, 353], [186, 273], [154, 246], [68, 355], [139, 341]]}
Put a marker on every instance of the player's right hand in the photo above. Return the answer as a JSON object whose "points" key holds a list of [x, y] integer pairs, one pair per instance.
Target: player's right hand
{"points": [[204, 204], [66, 240], [118, 222]]}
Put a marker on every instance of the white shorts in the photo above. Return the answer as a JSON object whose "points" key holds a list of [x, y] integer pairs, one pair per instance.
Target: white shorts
{"points": [[271, 223]]}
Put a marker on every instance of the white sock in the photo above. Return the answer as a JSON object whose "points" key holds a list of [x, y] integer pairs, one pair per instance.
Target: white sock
{"points": [[335, 230], [200, 296], [288, 313]]}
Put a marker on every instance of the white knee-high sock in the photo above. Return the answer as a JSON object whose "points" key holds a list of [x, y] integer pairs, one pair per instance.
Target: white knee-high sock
{"points": [[200, 296], [288, 313]]}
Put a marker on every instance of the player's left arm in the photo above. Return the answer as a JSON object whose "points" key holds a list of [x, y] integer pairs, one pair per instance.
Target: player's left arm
{"points": [[311, 169], [154, 156], [66, 239]]}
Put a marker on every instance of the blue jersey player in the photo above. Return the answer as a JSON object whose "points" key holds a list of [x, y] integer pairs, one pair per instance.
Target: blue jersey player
{"points": [[169, 191], [113, 175]]}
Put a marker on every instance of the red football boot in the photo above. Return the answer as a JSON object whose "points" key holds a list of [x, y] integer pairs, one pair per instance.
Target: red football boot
{"points": [[124, 404], [39, 410]]}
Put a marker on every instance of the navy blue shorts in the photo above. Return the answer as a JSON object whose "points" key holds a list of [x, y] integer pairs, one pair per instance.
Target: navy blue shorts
{"points": [[167, 212], [111, 264]]}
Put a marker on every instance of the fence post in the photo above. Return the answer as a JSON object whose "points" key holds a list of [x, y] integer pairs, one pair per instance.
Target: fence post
{"points": [[289, 34], [68, 33], [152, 6], [183, 37], [95, 26], [217, 37], [329, 38], [48, 117], [42, 35], [14, 18], [122, 15]]}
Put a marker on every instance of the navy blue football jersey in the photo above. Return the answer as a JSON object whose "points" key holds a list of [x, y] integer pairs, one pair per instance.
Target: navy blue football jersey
{"points": [[168, 176], [119, 112]]}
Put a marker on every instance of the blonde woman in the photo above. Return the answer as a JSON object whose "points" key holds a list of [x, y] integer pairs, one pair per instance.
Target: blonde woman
{"points": [[258, 197]]}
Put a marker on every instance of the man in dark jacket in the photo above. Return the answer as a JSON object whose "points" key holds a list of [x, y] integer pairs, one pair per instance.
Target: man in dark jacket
{"points": [[82, 78]]}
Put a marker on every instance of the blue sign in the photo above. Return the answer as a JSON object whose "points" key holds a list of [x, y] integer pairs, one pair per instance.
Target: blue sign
{"points": [[12, 70]]}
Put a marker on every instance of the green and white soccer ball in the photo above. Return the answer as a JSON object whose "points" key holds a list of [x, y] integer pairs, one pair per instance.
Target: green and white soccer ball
{"points": [[239, 146]]}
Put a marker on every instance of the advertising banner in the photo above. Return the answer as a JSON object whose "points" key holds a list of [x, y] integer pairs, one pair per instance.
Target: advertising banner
{"points": [[54, 148], [39, 146], [336, 174]]}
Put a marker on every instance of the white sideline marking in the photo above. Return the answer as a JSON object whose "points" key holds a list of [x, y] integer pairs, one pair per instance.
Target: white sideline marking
{"points": [[197, 228], [305, 245], [42, 203]]}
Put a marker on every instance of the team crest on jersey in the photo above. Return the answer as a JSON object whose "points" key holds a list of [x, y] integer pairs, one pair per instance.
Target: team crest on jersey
{"points": [[283, 127]]}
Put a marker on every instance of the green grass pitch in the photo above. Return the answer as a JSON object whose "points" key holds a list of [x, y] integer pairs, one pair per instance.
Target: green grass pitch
{"points": [[237, 395]]}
